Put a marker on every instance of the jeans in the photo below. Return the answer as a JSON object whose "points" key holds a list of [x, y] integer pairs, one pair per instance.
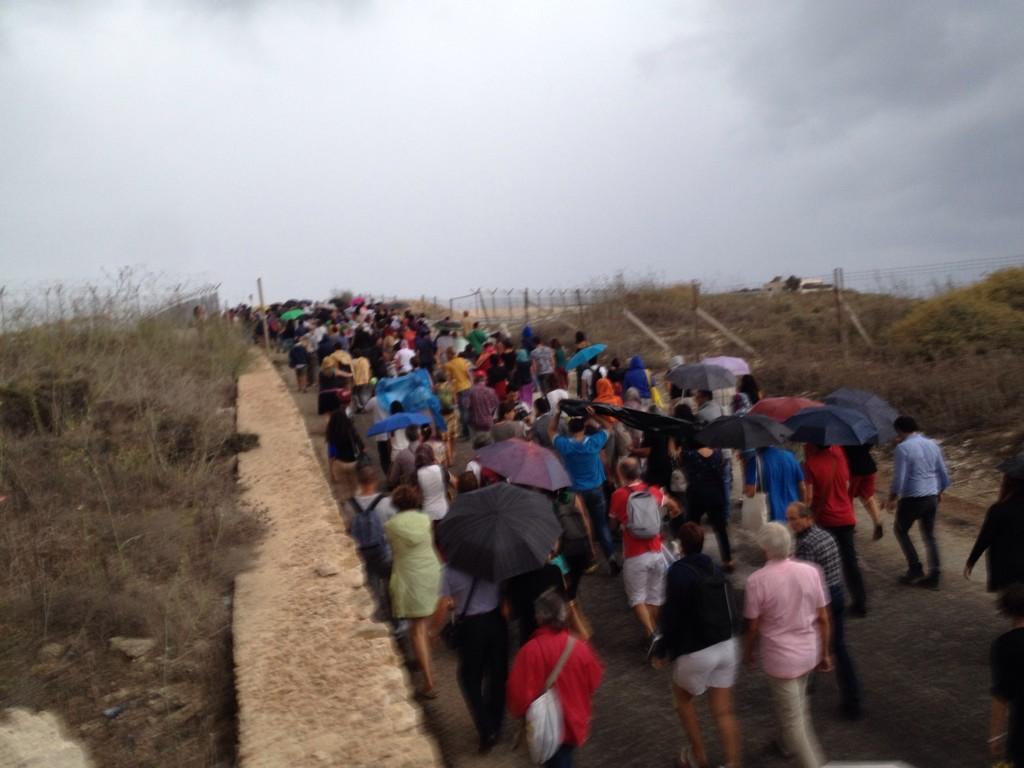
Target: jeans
{"points": [[843, 534], [793, 714], [846, 673], [377, 561], [562, 758], [483, 667], [594, 501], [463, 402], [909, 511]]}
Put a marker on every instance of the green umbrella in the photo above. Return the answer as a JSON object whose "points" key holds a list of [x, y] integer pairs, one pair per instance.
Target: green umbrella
{"points": [[293, 314]]}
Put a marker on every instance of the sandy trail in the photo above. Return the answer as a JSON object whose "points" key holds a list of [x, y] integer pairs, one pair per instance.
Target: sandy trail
{"points": [[319, 683]]}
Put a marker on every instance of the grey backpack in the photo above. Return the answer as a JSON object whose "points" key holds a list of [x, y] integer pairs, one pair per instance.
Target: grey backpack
{"points": [[643, 515]]}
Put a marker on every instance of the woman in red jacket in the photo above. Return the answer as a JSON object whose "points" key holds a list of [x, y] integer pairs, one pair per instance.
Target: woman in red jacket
{"points": [[575, 685]]}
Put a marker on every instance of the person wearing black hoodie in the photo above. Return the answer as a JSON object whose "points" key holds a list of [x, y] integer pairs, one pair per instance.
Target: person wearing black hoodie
{"points": [[1002, 532]]}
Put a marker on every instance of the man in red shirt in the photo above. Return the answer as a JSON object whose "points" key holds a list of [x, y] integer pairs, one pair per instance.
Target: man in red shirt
{"points": [[827, 482], [575, 685], [643, 565]]}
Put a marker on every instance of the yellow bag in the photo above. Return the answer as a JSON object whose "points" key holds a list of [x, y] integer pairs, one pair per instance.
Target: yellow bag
{"points": [[655, 392]]}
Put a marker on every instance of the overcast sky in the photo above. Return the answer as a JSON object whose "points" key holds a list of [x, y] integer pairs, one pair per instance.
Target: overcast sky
{"points": [[432, 146]]}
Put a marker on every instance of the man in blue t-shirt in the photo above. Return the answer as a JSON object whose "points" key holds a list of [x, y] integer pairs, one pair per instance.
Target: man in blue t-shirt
{"points": [[776, 472], [581, 454]]}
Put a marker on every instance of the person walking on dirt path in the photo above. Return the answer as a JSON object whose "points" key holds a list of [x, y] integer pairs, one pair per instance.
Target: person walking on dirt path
{"points": [[581, 454], [576, 683], [461, 377], [344, 447], [403, 463], [863, 471], [415, 576], [814, 545], [776, 472], [542, 361], [1002, 533], [1006, 725], [919, 478], [703, 467], [827, 485], [481, 646], [643, 565], [365, 515], [786, 607], [476, 338], [483, 403], [699, 638], [298, 361]]}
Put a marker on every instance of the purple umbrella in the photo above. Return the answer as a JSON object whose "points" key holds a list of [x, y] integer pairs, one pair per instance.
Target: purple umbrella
{"points": [[736, 365], [525, 463]]}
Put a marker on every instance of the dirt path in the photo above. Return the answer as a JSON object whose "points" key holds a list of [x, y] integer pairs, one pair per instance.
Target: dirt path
{"points": [[922, 657], [318, 682]]}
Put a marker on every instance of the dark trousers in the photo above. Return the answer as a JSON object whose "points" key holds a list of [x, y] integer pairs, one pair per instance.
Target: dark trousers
{"points": [[695, 511], [483, 667], [909, 511], [562, 758], [598, 510], [377, 561], [462, 401], [384, 452], [846, 673], [843, 534]]}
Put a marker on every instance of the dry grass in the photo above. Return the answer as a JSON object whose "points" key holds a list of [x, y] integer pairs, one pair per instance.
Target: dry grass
{"points": [[121, 518], [795, 338]]}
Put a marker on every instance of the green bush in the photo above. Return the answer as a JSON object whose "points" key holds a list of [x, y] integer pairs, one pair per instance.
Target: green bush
{"points": [[982, 318]]}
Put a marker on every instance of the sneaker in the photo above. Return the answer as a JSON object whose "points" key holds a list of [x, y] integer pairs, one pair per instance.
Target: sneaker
{"points": [[652, 646], [928, 582], [879, 532], [911, 577]]}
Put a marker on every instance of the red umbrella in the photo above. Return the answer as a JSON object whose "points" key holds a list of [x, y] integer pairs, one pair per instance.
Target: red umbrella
{"points": [[781, 408], [525, 463]]}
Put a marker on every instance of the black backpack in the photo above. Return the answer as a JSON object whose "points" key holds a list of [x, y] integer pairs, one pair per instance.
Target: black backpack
{"points": [[367, 529], [715, 607]]}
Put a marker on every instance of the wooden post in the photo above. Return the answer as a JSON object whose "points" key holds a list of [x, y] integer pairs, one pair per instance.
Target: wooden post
{"points": [[579, 303], [526, 306], [451, 307], [643, 327], [720, 327], [695, 286], [837, 292], [494, 302], [266, 314], [856, 322]]}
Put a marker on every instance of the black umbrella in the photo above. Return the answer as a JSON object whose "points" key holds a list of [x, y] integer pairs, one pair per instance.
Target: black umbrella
{"points": [[878, 411], [750, 431], [832, 425], [700, 376], [631, 417], [499, 532]]}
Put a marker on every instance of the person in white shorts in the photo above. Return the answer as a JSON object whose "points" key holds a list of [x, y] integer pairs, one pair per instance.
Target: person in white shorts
{"points": [[698, 628], [644, 564]]}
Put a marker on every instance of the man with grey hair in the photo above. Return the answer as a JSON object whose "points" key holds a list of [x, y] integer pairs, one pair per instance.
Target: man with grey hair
{"points": [[643, 565], [816, 545], [786, 606], [575, 684]]}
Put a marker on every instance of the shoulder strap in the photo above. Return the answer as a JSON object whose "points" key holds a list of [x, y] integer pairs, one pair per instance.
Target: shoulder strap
{"points": [[553, 677], [359, 509], [373, 504]]}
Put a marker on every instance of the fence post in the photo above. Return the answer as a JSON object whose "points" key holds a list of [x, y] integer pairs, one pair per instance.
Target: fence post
{"points": [[494, 303], [579, 304], [451, 307], [266, 318], [3, 315], [837, 293], [695, 286], [526, 306]]}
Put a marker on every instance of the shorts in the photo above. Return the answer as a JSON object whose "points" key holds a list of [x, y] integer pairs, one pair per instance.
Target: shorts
{"points": [[862, 486], [644, 579], [712, 667]]}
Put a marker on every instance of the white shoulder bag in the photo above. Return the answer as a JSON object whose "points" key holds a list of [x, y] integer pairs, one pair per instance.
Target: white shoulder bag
{"points": [[544, 725]]}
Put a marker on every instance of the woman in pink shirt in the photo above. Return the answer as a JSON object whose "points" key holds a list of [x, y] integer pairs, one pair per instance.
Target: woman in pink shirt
{"points": [[786, 605]]}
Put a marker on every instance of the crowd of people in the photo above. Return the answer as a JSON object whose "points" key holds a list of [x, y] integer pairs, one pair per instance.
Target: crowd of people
{"points": [[633, 509]]}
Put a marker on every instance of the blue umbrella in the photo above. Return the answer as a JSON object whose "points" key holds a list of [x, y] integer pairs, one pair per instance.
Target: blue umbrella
{"points": [[396, 422], [879, 412], [584, 356], [831, 425]]}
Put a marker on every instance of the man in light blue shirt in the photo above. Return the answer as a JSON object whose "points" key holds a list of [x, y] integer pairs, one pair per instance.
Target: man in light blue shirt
{"points": [[581, 454], [919, 477]]}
